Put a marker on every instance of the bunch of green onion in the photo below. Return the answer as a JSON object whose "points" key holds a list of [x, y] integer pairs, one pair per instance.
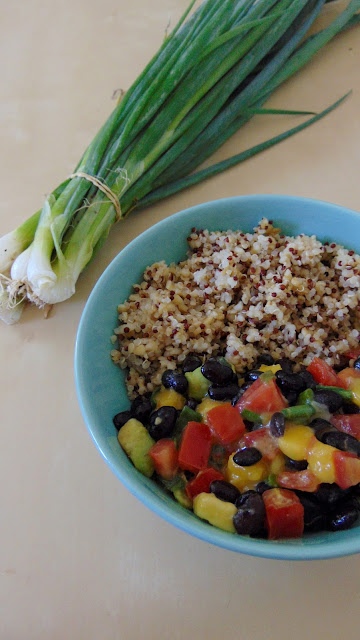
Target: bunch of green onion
{"points": [[210, 76]]}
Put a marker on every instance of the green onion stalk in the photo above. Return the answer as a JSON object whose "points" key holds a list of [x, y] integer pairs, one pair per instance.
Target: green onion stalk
{"points": [[211, 75]]}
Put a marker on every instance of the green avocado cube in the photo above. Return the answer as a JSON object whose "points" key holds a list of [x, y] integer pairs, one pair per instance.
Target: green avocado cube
{"points": [[198, 384], [137, 442]]}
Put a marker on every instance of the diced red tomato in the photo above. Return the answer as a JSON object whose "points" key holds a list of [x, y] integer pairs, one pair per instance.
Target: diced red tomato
{"points": [[262, 440], [348, 424], [165, 458], [201, 483], [284, 514], [352, 354], [195, 447], [262, 397], [323, 373], [347, 469], [225, 423], [300, 480], [347, 377]]}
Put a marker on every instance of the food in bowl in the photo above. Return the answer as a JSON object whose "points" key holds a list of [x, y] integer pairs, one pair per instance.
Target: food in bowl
{"points": [[272, 316]]}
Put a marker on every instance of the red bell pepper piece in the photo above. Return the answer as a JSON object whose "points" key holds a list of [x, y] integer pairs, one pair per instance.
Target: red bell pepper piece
{"points": [[262, 397], [298, 480], [261, 439], [348, 424], [201, 483], [347, 469], [323, 373], [195, 447], [284, 514], [225, 423], [165, 458]]}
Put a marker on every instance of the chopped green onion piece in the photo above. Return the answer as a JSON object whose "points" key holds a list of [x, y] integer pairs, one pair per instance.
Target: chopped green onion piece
{"points": [[271, 480], [298, 413], [306, 397], [344, 393], [251, 416]]}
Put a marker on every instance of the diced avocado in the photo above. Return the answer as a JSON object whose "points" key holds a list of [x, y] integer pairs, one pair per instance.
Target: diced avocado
{"points": [[169, 398], [175, 483], [219, 513], [182, 498], [136, 442], [198, 384], [153, 397], [185, 416]]}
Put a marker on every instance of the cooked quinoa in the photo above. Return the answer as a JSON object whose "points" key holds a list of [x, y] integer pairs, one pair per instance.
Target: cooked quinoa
{"points": [[241, 294]]}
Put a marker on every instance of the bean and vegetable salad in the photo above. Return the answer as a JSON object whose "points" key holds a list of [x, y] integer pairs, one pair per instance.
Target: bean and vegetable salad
{"points": [[260, 442]]}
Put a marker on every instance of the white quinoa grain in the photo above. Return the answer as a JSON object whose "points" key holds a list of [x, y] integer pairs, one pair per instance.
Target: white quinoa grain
{"points": [[240, 295]]}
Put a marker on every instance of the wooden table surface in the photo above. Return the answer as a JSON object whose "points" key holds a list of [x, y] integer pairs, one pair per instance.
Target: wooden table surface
{"points": [[80, 557]]}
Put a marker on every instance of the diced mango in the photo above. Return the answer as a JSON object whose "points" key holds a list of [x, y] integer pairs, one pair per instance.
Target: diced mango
{"points": [[295, 441], [169, 398], [217, 512], [205, 405], [246, 477], [277, 465], [321, 460], [273, 368], [355, 388]]}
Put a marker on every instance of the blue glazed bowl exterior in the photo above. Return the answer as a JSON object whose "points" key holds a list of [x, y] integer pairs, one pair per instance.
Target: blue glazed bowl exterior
{"points": [[100, 384]]}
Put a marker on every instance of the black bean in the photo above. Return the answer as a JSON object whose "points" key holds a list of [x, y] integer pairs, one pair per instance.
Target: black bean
{"points": [[252, 375], [162, 422], [342, 363], [295, 465], [290, 381], [265, 358], [262, 486], [247, 457], [192, 403], [329, 494], [291, 397], [217, 372], [252, 426], [224, 491], [355, 490], [121, 418], [277, 424], [308, 379], [250, 517], [174, 380], [320, 423], [286, 365], [226, 392], [192, 361], [243, 497], [314, 515], [342, 441], [331, 399], [141, 408], [357, 363], [343, 517], [350, 408]]}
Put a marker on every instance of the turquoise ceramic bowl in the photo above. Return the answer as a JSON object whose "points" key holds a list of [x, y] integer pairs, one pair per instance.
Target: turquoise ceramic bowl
{"points": [[100, 384]]}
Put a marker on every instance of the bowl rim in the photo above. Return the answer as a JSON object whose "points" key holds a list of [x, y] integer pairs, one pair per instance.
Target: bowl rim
{"points": [[279, 550]]}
